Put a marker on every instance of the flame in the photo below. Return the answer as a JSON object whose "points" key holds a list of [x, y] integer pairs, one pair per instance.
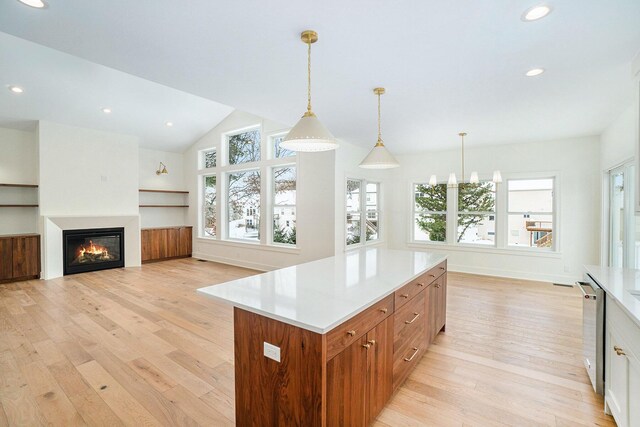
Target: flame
{"points": [[92, 249]]}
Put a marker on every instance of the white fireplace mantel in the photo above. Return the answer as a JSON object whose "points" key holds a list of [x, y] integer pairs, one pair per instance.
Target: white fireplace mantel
{"points": [[52, 227]]}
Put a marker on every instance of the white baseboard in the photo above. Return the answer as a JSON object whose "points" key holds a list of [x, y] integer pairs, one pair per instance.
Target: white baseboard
{"points": [[235, 262], [513, 274]]}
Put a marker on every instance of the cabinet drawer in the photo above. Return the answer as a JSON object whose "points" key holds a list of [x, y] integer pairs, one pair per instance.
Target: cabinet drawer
{"points": [[413, 288], [409, 318], [408, 355], [347, 333]]}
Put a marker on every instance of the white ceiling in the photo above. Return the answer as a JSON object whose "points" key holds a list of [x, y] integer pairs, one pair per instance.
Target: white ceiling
{"points": [[66, 89], [447, 65]]}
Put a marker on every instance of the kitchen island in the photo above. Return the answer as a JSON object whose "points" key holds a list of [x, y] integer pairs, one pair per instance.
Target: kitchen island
{"points": [[327, 342]]}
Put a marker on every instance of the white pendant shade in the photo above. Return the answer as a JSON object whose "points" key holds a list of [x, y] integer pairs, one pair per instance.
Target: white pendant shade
{"points": [[497, 177], [433, 181], [474, 178], [310, 135], [452, 179], [379, 158]]}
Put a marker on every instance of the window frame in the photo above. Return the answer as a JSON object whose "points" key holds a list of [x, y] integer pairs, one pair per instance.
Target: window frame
{"points": [[553, 215], [201, 159], [223, 168], [415, 212], [273, 206], [202, 219], [363, 213], [501, 246], [495, 211]]}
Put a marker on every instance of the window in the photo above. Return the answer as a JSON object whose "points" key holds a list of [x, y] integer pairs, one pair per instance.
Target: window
{"points": [[430, 212], [209, 206], [243, 191], [284, 205], [208, 159], [476, 213], [530, 212], [244, 147], [373, 212], [279, 152], [361, 228]]}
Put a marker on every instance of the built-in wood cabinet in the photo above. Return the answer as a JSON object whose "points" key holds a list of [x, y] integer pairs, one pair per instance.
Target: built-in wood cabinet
{"points": [[158, 244], [19, 257], [345, 376], [622, 366], [359, 379]]}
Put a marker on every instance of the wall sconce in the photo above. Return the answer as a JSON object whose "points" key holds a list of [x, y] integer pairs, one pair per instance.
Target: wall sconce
{"points": [[162, 169]]}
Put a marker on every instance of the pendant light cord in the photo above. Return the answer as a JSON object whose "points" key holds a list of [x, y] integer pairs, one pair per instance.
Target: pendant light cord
{"points": [[309, 79], [462, 178], [379, 132]]}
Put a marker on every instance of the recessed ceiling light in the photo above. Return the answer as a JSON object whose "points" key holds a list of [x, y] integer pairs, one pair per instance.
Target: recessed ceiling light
{"points": [[16, 89], [535, 13], [106, 110], [534, 72], [169, 124], [38, 4]]}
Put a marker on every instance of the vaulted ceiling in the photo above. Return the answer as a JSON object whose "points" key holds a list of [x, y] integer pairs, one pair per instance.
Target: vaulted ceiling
{"points": [[447, 65]]}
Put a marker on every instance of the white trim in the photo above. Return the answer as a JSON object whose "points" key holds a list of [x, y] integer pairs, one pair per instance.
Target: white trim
{"points": [[234, 262], [528, 252], [513, 274], [248, 244]]}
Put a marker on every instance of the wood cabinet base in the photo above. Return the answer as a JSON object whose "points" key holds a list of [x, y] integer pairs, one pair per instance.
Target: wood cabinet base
{"points": [[342, 378], [161, 244], [19, 257]]}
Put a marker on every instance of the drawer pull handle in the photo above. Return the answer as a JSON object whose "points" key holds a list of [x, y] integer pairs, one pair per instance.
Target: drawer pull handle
{"points": [[432, 275], [441, 268], [420, 284], [405, 295], [384, 310], [409, 359], [416, 315], [367, 346], [619, 351], [372, 342], [437, 285], [351, 333]]}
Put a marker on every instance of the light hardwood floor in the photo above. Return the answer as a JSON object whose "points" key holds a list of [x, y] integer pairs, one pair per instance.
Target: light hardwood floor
{"points": [[140, 347]]}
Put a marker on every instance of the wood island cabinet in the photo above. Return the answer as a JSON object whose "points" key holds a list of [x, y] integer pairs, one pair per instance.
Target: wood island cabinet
{"points": [[160, 244], [343, 377], [19, 257]]}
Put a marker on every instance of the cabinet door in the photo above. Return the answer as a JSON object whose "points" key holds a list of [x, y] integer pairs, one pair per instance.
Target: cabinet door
{"points": [[185, 241], [441, 316], [432, 311], [346, 374], [379, 368], [6, 259], [173, 241], [634, 392], [618, 380], [145, 244], [26, 256]]}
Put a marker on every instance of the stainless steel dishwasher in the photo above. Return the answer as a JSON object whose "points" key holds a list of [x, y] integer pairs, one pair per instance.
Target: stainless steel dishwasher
{"points": [[593, 331]]}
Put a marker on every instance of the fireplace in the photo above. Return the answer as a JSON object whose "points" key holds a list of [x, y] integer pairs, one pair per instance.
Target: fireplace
{"points": [[92, 249]]}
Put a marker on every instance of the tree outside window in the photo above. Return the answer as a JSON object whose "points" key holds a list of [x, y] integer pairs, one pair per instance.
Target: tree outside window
{"points": [[284, 205], [430, 212], [244, 205], [476, 213], [244, 147], [209, 206]]}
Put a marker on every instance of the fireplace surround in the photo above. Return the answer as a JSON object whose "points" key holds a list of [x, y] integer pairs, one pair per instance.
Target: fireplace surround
{"points": [[92, 249]]}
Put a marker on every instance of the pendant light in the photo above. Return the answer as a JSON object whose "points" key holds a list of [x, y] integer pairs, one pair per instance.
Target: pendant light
{"points": [[473, 178], [379, 157], [309, 134]]}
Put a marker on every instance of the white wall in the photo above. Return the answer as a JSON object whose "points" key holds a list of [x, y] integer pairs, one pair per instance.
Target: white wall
{"points": [[149, 160], [575, 161], [87, 172], [315, 204], [18, 165], [619, 139]]}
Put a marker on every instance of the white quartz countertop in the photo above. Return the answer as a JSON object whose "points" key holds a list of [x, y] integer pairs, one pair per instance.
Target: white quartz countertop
{"points": [[320, 295], [621, 284]]}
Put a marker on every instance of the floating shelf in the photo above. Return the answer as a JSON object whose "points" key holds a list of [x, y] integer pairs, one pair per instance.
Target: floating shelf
{"points": [[18, 206], [163, 206], [163, 191], [19, 185]]}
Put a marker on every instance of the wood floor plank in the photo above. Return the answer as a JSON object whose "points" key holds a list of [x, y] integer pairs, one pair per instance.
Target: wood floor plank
{"points": [[165, 353]]}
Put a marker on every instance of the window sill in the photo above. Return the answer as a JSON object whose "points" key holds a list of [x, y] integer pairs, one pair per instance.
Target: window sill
{"points": [[366, 245], [251, 245], [487, 249]]}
